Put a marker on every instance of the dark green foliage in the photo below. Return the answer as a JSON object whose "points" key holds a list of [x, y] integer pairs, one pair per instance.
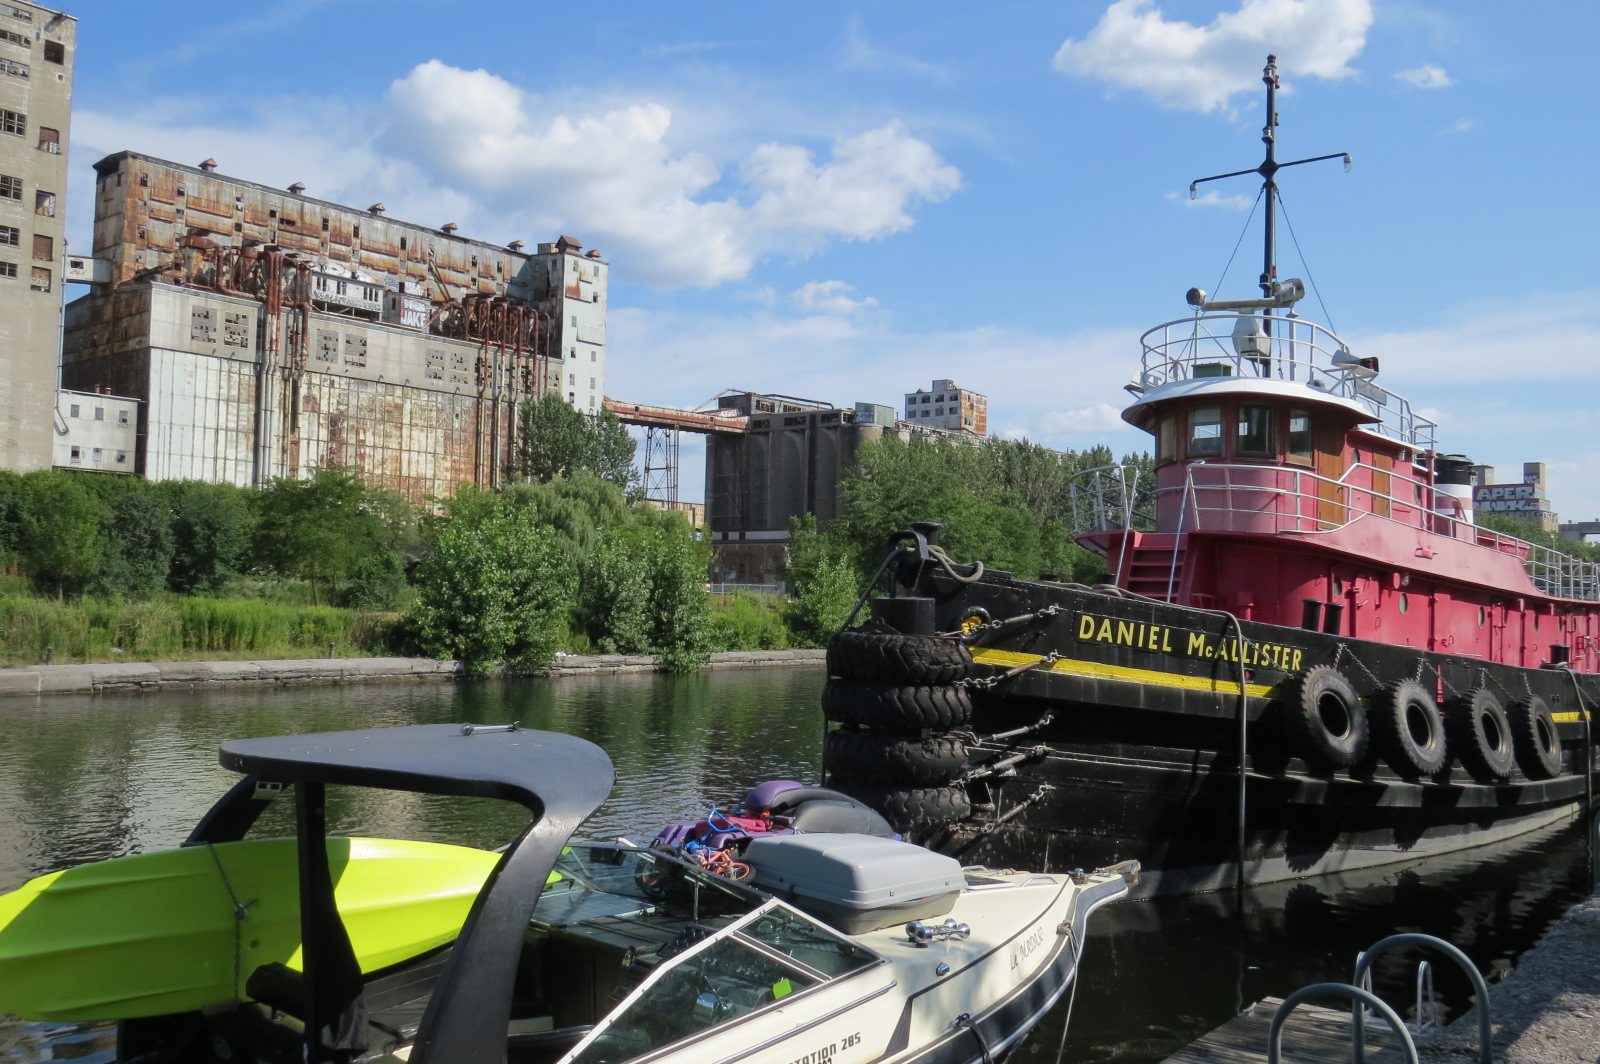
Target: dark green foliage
{"points": [[823, 581], [489, 591], [614, 596], [679, 608], [11, 493], [377, 583], [212, 527], [327, 527], [747, 620], [559, 440], [1531, 532], [1006, 503], [138, 544], [59, 521]]}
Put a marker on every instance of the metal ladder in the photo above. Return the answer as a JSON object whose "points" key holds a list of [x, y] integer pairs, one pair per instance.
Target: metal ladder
{"points": [[1359, 992]]}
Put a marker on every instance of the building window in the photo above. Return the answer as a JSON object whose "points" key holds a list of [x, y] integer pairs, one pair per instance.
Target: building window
{"points": [[14, 68], [55, 52], [572, 397], [99, 413], [8, 269], [591, 356], [97, 456], [74, 410], [22, 13], [13, 123], [44, 203], [1205, 431], [591, 382], [1255, 431], [15, 38], [41, 279], [122, 458], [77, 453], [43, 248], [122, 417], [50, 140], [572, 378], [10, 187], [10, 235], [144, 180]]}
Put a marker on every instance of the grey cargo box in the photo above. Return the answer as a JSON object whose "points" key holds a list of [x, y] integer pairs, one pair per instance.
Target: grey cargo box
{"points": [[856, 883]]}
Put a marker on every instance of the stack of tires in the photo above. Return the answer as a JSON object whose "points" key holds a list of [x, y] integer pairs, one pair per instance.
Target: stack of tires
{"points": [[903, 716]]}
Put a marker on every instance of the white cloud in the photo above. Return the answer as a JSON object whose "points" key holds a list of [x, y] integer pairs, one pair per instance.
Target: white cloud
{"points": [[1201, 68], [1214, 198], [1463, 125], [829, 297], [862, 54], [674, 218], [466, 145], [1427, 76], [1101, 417]]}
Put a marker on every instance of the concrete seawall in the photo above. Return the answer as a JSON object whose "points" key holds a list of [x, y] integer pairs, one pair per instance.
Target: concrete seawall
{"points": [[176, 675]]}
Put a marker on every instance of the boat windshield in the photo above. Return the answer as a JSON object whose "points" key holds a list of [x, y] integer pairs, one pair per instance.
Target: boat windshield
{"points": [[603, 880], [752, 963]]}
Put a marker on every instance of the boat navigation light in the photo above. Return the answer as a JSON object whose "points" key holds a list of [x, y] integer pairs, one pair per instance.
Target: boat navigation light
{"points": [[1362, 368]]}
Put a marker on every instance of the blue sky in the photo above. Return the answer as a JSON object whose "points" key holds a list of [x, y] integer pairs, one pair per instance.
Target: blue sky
{"points": [[847, 201]]}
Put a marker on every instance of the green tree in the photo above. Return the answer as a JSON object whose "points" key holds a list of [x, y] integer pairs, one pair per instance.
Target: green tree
{"points": [[614, 596], [489, 591], [323, 529], [823, 582], [12, 492], [679, 605], [559, 440], [138, 543], [212, 527], [60, 522]]}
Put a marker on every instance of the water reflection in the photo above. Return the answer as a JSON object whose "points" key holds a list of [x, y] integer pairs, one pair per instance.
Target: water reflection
{"points": [[87, 778]]}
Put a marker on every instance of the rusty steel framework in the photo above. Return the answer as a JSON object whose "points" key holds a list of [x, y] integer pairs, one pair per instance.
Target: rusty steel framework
{"points": [[513, 338], [661, 464]]}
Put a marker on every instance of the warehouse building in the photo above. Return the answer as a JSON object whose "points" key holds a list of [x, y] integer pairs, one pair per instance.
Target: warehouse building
{"points": [[264, 332], [37, 47]]}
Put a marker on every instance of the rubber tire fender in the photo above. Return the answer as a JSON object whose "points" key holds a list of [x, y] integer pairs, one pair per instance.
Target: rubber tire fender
{"points": [[1535, 738], [1325, 719], [1483, 734], [1408, 708], [913, 809], [901, 708], [892, 759], [898, 659]]}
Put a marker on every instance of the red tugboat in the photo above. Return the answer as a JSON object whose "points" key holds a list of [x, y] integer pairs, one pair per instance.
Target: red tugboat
{"points": [[1304, 655]]}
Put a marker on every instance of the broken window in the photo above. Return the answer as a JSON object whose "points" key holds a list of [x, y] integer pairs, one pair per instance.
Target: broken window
{"points": [[44, 203], [44, 248], [8, 269], [55, 52], [10, 235], [14, 68], [144, 180], [13, 122], [50, 140], [10, 187], [41, 279], [15, 38]]}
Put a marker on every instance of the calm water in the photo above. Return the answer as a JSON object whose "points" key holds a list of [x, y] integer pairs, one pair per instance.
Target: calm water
{"points": [[88, 778]]}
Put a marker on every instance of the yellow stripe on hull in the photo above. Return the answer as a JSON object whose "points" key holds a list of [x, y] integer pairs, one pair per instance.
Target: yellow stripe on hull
{"points": [[1102, 671]]}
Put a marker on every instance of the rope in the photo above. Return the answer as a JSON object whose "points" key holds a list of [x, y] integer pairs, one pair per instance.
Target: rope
{"points": [[1318, 292], [1218, 286], [240, 911], [887, 558], [965, 1020], [937, 554], [1072, 993]]}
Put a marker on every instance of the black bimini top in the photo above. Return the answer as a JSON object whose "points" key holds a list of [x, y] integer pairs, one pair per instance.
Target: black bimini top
{"points": [[542, 770], [560, 779]]}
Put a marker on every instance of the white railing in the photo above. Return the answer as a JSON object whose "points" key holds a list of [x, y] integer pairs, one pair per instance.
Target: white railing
{"points": [[755, 589], [1298, 350], [1272, 499]]}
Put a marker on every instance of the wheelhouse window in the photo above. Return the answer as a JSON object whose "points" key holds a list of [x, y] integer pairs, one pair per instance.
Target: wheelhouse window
{"points": [[1205, 432], [1256, 436], [1300, 435], [1167, 439]]}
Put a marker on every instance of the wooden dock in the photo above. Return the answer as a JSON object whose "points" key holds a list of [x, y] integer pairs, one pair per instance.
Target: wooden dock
{"points": [[1312, 1033]]}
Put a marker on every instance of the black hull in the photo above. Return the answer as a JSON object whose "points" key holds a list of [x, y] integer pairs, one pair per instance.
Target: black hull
{"points": [[1140, 757]]}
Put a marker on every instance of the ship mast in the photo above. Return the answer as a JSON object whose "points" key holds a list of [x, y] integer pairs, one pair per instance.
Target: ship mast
{"points": [[1269, 187]]}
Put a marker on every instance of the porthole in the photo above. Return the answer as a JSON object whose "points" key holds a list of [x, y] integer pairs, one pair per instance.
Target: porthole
{"points": [[1405, 602], [1481, 615]]}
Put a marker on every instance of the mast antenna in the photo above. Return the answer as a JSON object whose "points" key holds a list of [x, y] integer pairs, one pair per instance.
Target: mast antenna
{"points": [[1269, 186]]}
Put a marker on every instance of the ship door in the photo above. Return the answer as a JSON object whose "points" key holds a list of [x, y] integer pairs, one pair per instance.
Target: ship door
{"points": [[1332, 510], [1381, 483]]}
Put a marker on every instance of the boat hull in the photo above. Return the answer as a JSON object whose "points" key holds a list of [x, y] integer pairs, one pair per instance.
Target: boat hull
{"points": [[1114, 725]]}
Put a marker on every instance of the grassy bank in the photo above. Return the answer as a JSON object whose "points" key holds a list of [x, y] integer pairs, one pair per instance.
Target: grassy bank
{"points": [[181, 629]]}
